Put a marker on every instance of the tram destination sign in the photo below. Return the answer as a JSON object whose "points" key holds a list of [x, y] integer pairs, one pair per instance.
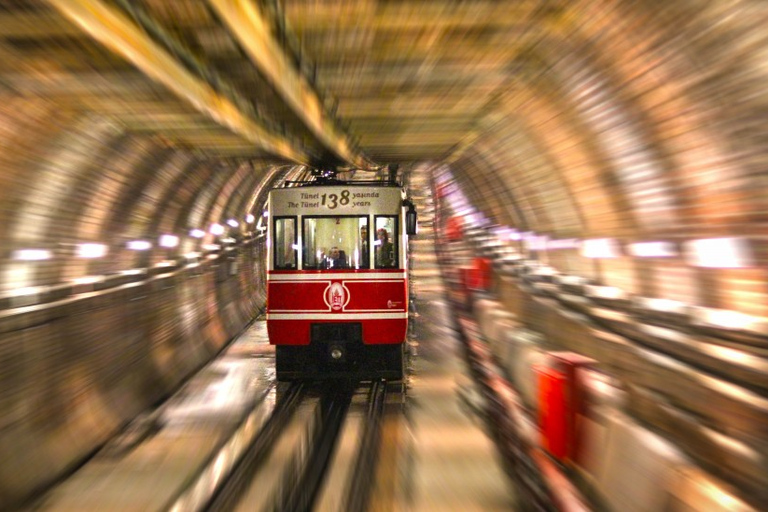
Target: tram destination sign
{"points": [[336, 200]]}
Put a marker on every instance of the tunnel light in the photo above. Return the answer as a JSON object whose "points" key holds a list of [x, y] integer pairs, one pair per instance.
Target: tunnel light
{"points": [[536, 243], [564, 243], [32, 254], [87, 280], [132, 272], [91, 250], [233, 223], [653, 249], [719, 253], [664, 304], [728, 319], [138, 245], [265, 213], [197, 233], [250, 218], [600, 248], [25, 291], [607, 292], [216, 229], [169, 241], [211, 247]]}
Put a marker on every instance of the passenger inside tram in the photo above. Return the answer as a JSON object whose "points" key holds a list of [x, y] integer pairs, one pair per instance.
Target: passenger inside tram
{"points": [[336, 258], [385, 254], [364, 251]]}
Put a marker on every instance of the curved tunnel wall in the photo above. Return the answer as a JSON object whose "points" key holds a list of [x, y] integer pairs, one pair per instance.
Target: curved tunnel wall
{"points": [[636, 125], [628, 121], [87, 343]]}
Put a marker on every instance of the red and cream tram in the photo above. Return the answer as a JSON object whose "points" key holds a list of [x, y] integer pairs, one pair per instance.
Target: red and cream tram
{"points": [[337, 282]]}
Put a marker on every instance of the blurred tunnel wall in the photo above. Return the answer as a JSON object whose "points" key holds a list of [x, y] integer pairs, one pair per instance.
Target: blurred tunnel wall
{"points": [[630, 122], [637, 123], [105, 308]]}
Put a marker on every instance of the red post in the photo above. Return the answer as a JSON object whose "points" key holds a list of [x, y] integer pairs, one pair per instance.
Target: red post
{"points": [[561, 400]]}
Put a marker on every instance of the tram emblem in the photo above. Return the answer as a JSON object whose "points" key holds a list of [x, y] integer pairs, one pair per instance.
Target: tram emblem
{"points": [[336, 296]]}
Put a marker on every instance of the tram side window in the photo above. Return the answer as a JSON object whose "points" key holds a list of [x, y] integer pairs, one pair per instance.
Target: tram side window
{"points": [[285, 243], [332, 243], [385, 243]]}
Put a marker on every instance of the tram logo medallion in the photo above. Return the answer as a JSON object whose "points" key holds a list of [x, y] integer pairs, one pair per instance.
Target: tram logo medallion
{"points": [[336, 296]]}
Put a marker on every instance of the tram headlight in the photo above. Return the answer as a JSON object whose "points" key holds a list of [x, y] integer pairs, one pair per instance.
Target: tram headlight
{"points": [[337, 353]]}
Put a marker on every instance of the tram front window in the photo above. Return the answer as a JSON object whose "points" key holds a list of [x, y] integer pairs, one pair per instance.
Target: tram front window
{"points": [[332, 243], [285, 243]]}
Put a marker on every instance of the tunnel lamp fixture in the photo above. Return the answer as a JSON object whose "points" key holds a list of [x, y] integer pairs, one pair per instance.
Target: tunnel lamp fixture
{"points": [[265, 214], [88, 280], [138, 245], [728, 319], [132, 272], [719, 253], [250, 218], [233, 223], [564, 243], [169, 241], [653, 249], [600, 248], [216, 229], [32, 255], [91, 250], [25, 291], [197, 233], [536, 242]]}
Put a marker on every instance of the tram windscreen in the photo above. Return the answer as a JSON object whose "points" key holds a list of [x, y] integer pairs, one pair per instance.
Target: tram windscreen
{"points": [[332, 243]]}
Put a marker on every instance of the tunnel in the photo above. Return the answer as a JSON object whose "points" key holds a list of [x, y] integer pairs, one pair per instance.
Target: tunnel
{"points": [[600, 160]]}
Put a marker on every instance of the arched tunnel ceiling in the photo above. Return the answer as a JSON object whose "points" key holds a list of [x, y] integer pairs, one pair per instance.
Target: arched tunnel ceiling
{"points": [[631, 120], [404, 80]]}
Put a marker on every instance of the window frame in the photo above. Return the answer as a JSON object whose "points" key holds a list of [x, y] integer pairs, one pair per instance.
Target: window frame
{"points": [[304, 218], [295, 244], [394, 240]]}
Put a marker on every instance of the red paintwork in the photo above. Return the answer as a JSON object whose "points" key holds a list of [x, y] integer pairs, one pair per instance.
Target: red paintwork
{"points": [[302, 296], [375, 332], [552, 411], [454, 229], [357, 296]]}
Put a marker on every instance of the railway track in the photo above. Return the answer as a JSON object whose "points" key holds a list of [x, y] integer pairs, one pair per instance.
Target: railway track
{"points": [[320, 445]]}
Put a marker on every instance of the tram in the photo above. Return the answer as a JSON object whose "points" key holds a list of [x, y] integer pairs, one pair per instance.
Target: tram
{"points": [[337, 280]]}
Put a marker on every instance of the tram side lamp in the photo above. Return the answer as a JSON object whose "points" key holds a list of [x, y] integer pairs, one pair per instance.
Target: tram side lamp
{"points": [[410, 218]]}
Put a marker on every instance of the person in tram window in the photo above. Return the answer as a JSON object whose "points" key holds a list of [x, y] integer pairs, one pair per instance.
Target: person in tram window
{"points": [[365, 254], [336, 259], [385, 251]]}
